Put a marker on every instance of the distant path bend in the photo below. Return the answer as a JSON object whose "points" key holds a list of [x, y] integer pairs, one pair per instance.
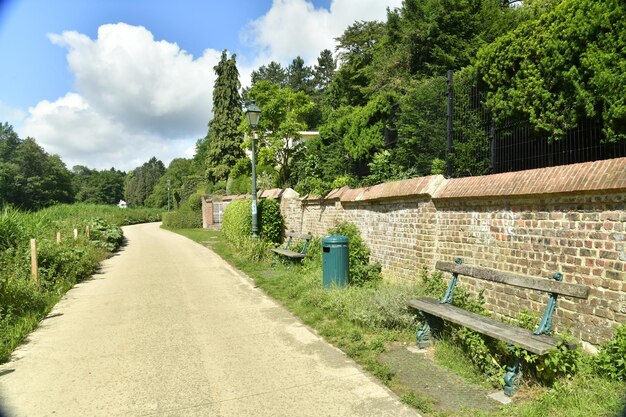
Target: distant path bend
{"points": [[167, 328]]}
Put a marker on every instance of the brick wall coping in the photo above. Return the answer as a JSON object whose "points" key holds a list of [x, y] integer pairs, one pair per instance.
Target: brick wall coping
{"points": [[414, 187], [272, 193], [230, 197], [608, 175]]}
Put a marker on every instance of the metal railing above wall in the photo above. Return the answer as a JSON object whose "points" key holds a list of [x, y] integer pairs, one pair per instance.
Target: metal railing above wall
{"points": [[478, 146]]}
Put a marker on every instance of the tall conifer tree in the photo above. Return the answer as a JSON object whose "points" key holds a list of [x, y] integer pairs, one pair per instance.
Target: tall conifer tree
{"points": [[223, 138]]}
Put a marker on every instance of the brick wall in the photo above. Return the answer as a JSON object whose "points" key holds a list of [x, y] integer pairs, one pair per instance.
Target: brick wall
{"points": [[207, 211], [569, 219]]}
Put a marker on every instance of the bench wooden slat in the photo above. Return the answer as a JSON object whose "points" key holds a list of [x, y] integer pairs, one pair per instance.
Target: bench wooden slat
{"points": [[538, 344], [288, 253], [541, 284]]}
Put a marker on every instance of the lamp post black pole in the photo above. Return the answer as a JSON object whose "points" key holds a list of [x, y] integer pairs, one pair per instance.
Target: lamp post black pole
{"points": [[253, 113], [255, 224], [168, 195]]}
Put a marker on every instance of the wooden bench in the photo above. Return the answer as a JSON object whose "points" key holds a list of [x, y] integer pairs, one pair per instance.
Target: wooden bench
{"points": [[538, 342], [294, 237]]}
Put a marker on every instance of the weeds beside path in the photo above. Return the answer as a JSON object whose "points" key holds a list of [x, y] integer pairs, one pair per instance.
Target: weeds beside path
{"points": [[369, 323]]}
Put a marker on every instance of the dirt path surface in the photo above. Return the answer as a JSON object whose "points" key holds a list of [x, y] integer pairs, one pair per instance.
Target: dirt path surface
{"points": [[169, 329]]}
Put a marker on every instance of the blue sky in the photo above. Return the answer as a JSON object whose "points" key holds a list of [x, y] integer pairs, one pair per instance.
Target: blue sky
{"points": [[112, 83]]}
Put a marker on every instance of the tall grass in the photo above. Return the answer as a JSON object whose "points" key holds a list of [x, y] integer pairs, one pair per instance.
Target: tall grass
{"points": [[22, 304]]}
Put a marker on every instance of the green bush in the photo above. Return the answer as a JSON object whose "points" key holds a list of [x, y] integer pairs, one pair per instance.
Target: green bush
{"points": [[361, 271], [253, 249], [105, 234], [63, 265], [183, 219], [611, 360], [237, 220], [272, 223], [193, 202], [12, 231]]}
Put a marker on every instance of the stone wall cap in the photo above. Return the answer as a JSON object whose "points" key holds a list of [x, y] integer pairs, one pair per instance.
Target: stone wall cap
{"points": [[414, 187], [606, 175], [336, 193], [274, 193]]}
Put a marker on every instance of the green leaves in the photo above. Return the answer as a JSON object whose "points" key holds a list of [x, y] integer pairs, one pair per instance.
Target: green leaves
{"points": [[105, 234], [141, 181], [611, 360], [30, 178], [567, 65], [284, 113], [237, 220]]}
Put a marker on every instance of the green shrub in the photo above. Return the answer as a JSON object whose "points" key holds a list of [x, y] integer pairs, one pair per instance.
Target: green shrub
{"points": [[253, 249], [12, 232], [193, 202], [272, 223], [237, 220], [105, 234], [361, 271], [183, 219], [63, 265], [611, 360]]}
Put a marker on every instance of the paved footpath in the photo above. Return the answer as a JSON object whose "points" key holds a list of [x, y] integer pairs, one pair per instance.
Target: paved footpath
{"points": [[169, 329]]}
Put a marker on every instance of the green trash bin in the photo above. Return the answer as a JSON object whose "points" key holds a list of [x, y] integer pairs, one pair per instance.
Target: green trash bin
{"points": [[335, 260]]}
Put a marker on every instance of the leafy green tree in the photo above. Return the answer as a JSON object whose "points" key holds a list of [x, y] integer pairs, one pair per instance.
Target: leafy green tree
{"points": [[421, 126], [324, 71], [567, 65], [356, 47], [223, 139], [9, 141], [140, 182], [283, 117], [272, 72], [30, 178], [183, 182], [98, 187], [300, 76]]}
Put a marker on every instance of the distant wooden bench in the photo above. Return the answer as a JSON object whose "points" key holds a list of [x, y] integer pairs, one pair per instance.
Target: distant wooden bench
{"points": [[538, 342], [292, 239]]}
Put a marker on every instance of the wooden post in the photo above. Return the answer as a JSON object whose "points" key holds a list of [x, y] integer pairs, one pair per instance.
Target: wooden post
{"points": [[58, 238], [87, 231], [75, 234], [33, 262]]}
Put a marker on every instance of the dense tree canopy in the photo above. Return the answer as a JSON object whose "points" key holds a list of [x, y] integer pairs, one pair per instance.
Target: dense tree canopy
{"points": [[568, 64], [98, 187], [30, 178], [141, 181]]}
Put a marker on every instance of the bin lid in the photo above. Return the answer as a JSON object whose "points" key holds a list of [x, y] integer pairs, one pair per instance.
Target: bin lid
{"points": [[335, 239]]}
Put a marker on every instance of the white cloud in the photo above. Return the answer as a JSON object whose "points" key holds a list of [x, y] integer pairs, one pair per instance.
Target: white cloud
{"points": [[295, 27], [136, 98], [11, 115]]}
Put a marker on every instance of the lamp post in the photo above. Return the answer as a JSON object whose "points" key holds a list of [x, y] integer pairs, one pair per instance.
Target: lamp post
{"points": [[168, 195], [253, 113]]}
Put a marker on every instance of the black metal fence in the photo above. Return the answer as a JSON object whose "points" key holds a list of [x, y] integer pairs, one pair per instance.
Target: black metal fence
{"points": [[477, 145]]}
